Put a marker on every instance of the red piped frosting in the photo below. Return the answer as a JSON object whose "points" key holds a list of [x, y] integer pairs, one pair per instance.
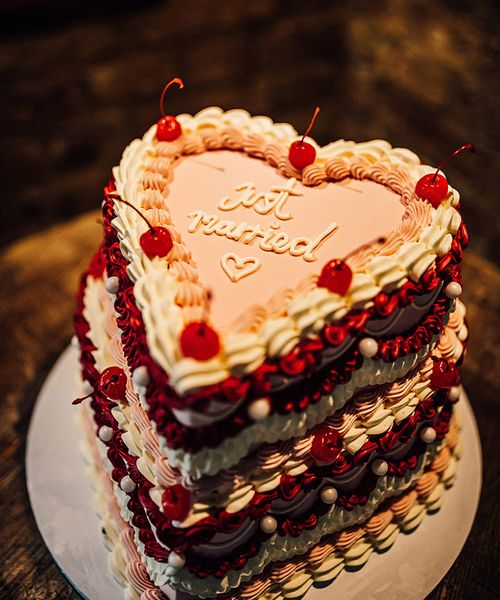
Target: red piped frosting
{"points": [[336, 276], [161, 397], [176, 499]]}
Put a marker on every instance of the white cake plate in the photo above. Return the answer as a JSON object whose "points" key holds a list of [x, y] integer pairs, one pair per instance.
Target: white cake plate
{"points": [[62, 503]]}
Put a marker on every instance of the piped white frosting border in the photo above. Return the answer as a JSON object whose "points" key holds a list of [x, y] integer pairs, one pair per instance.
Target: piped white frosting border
{"points": [[155, 284]]}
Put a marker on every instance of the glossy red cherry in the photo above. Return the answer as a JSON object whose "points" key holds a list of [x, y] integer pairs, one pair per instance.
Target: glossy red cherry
{"points": [[113, 383], [176, 502], [302, 154], [156, 241], [168, 127], [433, 187], [199, 341], [336, 276], [326, 445], [444, 374]]}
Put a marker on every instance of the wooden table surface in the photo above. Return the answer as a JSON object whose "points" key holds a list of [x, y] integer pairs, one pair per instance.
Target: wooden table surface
{"points": [[39, 276]]}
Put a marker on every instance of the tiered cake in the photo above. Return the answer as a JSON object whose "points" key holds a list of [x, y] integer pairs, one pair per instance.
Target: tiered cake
{"points": [[270, 338]]}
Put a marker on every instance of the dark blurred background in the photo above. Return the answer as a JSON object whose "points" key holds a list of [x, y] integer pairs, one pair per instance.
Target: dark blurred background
{"points": [[81, 79]]}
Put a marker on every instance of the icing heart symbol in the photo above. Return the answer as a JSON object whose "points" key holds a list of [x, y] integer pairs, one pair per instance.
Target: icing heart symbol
{"points": [[236, 268]]}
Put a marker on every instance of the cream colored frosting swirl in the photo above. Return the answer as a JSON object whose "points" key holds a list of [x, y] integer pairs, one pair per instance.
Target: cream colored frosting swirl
{"points": [[168, 291], [319, 562]]}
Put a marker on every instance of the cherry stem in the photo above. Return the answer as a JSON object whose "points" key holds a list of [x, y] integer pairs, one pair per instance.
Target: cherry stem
{"points": [[115, 196], [469, 147], [176, 80], [311, 123], [205, 164], [80, 400], [206, 307]]}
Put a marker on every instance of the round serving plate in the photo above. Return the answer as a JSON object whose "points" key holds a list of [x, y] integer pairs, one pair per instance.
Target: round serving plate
{"points": [[61, 499]]}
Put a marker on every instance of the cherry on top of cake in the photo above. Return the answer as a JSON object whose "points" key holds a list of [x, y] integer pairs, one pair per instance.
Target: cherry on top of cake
{"points": [[256, 231], [267, 231]]}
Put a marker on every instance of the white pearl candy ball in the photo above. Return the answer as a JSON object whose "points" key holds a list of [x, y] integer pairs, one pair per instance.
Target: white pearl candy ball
{"points": [[112, 285], [368, 347], [127, 484], [268, 524], [453, 290], [428, 435], [380, 467], [177, 561], [105, 433], [454, 393], [140, 376], [329, 495], [259, 409]]}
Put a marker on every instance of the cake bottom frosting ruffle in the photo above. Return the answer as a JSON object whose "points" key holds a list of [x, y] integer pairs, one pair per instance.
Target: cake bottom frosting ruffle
{"points": [[320, 565]]}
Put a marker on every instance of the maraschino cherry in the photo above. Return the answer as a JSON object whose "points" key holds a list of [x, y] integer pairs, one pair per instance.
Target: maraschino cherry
{"points": [[433, 187], [336, 276], [444, 374], [112, 383], [176, 502], [168, 127], [198, 340], [326, 445], [302, 154], [156, 241]]}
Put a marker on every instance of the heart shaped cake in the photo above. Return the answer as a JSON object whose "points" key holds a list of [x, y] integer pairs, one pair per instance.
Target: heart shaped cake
{"points": [[289, 340]]}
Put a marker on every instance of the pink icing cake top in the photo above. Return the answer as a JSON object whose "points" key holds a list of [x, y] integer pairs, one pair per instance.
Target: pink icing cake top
{"points": [[217, 201]]}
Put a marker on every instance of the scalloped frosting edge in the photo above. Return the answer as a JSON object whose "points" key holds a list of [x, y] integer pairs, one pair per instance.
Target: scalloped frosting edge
{"points": [[143, 443], [158, 283], [144, 578]]}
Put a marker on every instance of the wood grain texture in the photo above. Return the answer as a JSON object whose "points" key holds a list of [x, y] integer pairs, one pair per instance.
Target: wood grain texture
{"points": [[83, 78], [39, 276]]}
